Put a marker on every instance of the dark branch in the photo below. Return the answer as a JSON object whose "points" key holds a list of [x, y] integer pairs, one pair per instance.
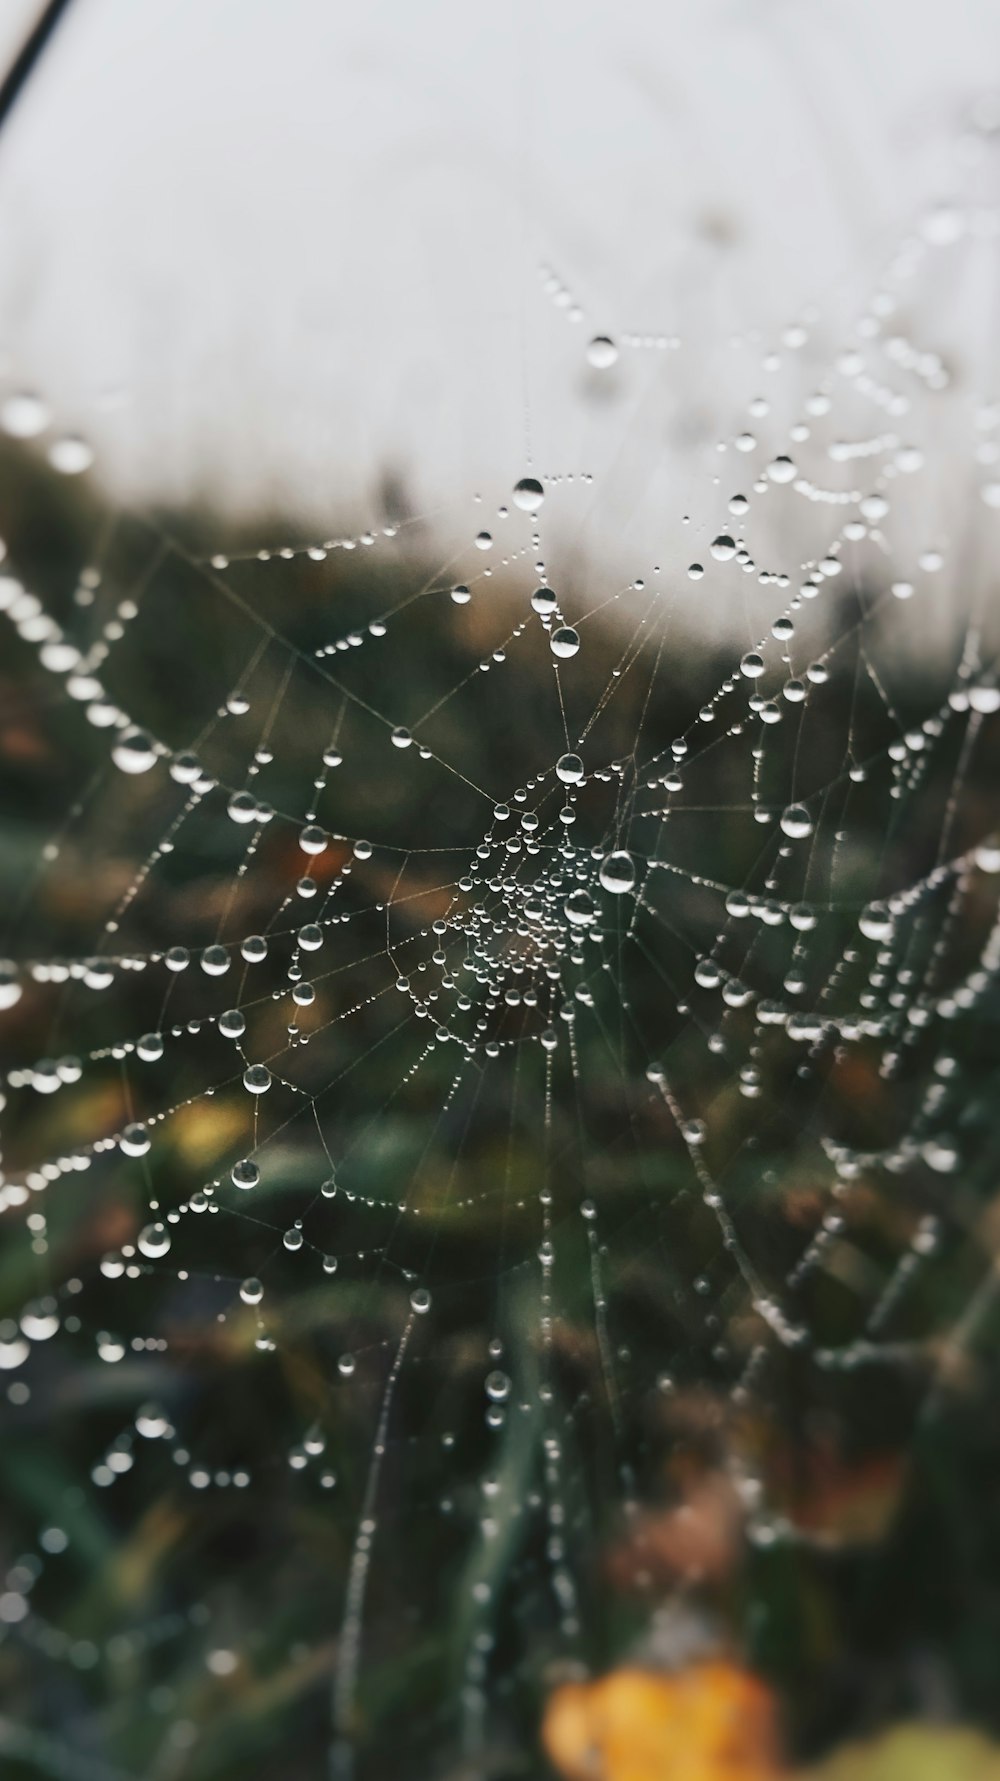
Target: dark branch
{"points": [[17, 75]]}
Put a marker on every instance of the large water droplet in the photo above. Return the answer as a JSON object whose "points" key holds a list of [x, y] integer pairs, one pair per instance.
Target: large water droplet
{"points": [[528, 494], [569, 768], [617, 873]]}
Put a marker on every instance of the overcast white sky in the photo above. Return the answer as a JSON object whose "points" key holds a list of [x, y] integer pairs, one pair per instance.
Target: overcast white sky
{"points": [[278, 246]]}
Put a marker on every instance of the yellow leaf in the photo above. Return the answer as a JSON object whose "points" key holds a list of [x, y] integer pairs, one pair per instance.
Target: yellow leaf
{"points": [[914, 1752]]}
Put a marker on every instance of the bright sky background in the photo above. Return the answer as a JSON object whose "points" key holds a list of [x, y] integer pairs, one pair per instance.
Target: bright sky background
{"points": [[273, 250]]}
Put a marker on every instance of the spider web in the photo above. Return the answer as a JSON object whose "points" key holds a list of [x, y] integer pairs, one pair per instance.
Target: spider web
{"points": [[468, 1042]]}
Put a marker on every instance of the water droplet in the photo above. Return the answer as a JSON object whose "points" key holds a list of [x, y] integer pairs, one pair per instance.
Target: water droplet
{"points": [[569, 768], [528, 494], [602, 352], [313, 840], [134, 1140], [10, 987], [154, 1240], [796, 822], [781, 469], [24, 415], [875, 922], [151, 1422], [617, 873], [71, 455], [565, 642], [185, 769], [242, 807], [134, 751], [579, 909]]}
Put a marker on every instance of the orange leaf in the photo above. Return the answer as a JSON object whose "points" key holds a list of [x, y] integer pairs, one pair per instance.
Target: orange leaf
{"points": [[712, 1722]]}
